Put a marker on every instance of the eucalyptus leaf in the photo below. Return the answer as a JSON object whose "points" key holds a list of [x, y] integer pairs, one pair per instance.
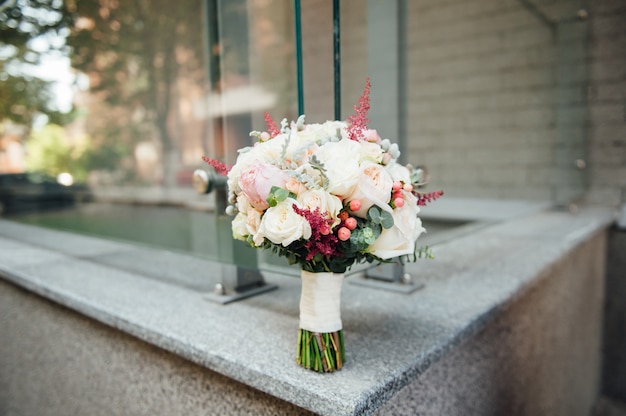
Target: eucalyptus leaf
{"points": [[373, 214], [375, 229], [386, 219]]}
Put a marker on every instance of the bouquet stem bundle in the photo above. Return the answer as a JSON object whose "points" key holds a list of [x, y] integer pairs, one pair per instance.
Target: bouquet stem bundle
{"points": [[321, 352]]}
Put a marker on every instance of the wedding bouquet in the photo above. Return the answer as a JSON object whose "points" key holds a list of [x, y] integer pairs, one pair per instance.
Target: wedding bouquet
{"points": [[325, 196]]}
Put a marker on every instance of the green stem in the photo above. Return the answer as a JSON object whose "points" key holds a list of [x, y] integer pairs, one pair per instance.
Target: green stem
{"points": [[322, 352]]}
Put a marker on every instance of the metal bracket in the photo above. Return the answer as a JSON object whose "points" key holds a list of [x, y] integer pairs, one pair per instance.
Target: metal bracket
{"points": [[391, 277], [240, 276], [238, 283]]}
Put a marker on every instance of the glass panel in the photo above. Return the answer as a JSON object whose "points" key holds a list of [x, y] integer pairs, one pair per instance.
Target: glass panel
{"points": [[113, 97], [126, 97]]}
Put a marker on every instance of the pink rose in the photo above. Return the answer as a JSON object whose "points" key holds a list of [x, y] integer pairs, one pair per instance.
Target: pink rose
{"points": [[256, 183]]}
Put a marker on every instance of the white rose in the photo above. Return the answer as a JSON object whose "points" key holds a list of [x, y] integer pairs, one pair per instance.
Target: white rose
{"points": [[327, 130], [299, 148], [240, 232], [327, 203], [282, 225], [330, 128], [271, 149], [341, 164], [371, 151], [373, 188], [400, 239], [399, 172]]}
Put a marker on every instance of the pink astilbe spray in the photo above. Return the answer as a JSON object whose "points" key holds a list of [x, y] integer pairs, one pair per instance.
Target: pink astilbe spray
{"points": [[272, 127], [221, 168], [322, 240], [423, 199], [357, 123]]}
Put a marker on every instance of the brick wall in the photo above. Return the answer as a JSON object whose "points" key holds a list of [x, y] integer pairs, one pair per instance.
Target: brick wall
{"points": [[317, 45], [482, 102], [505, 99], [607, 103]]}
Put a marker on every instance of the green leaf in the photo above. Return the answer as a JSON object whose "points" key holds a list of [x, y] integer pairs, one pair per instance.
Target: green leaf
{"points": [[373, 214], [369, 236], [278, 195], [375, 229], [281, 194], [386, 219]]}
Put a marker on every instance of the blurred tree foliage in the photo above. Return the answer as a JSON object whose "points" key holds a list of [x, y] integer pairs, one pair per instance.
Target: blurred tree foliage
{"points": [[49, 151], [24, 96], [133, 53]]}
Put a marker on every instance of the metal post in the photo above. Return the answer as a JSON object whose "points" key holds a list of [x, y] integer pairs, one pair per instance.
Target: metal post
{"points": [[337, 57], [299, 76], [240, 275]]}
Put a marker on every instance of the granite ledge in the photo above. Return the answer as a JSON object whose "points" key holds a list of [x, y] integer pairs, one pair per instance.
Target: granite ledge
{"points": [[391, 338]]}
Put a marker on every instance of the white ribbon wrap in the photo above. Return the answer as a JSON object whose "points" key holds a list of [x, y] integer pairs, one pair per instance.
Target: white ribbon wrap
{"points": [[320, 302]]}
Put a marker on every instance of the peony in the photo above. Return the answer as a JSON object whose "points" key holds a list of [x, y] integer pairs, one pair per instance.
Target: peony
{"points": [[373, 188], [327, 203], [341, 164], [399, 240], [245, 159], [256, 183], [282, 225]]}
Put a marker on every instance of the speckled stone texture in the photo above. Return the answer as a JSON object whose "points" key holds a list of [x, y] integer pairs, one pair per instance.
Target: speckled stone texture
{"points": [[505, 320], [540, 357], [76, 366]]}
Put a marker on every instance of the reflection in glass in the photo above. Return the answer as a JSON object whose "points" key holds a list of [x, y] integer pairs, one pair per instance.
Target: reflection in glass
{"points": [[126, 96]]}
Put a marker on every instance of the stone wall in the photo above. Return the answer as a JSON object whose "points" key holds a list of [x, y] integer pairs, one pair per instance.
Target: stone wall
{"points": [[540, 357], [56, 362], [485, 96]]}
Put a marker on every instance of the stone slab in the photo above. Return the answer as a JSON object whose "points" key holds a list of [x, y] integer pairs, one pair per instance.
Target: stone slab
{"points": [[391, 338]]}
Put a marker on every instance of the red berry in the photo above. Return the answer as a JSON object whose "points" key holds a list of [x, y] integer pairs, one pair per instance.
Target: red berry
{"points": [[398, 202], [343, 234], [397, 186], [355, 205], [350, 223]]}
